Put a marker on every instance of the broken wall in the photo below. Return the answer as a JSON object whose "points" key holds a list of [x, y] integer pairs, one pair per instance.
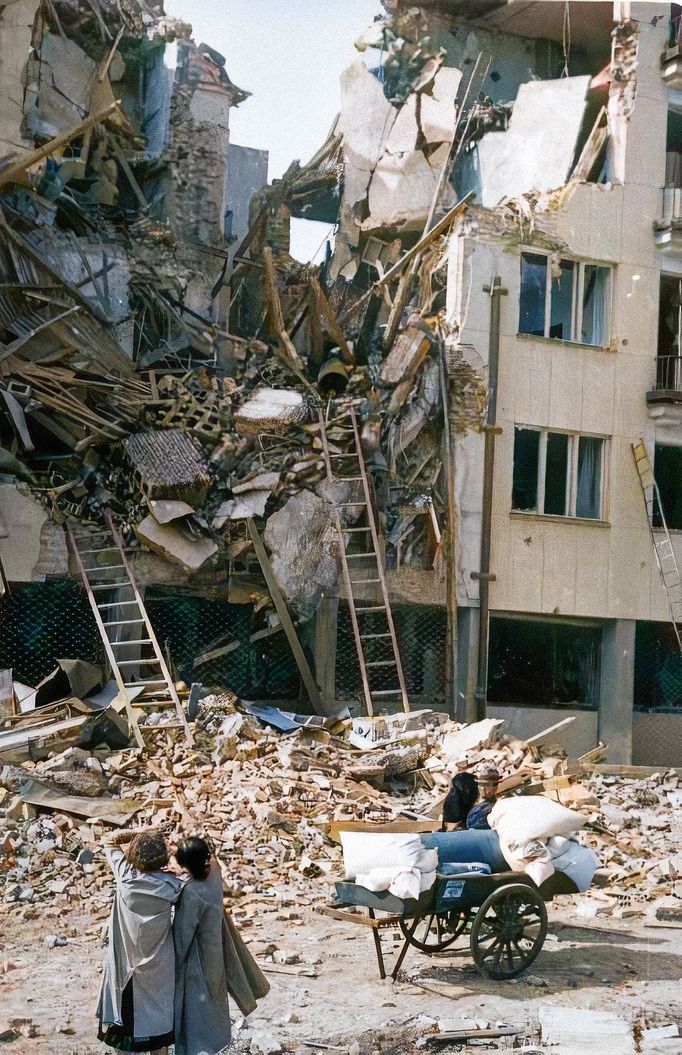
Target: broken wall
{"points": [[16, 31]]}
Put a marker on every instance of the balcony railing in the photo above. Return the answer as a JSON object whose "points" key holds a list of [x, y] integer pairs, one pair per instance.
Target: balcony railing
{"points": [[668, 375]]}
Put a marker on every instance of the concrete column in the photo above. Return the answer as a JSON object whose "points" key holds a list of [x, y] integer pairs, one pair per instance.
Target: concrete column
{"points": [[326, 619], [467, 662], [617, 689]]}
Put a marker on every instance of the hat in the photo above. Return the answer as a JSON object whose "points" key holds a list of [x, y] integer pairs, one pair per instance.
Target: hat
{"points": [[487, 775]]}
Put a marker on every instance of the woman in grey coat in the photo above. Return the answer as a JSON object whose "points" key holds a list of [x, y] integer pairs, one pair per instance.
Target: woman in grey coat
{"points": [[135, 1008], [211, 959]]}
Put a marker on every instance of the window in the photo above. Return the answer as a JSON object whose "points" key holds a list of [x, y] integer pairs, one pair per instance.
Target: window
{"points": [[544, 663], [668, 476], [564, 299], [558, 474]]}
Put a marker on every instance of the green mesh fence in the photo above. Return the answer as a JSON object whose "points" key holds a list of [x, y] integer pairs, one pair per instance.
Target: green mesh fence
{"points": [[43, 622], [658, 669], [192, 627], [420, 630]]}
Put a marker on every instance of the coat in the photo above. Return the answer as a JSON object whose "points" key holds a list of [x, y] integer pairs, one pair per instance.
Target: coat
{"points": [[140, 947], [211, 961]]}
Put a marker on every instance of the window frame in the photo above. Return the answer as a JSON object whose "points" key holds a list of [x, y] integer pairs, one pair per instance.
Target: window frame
{"points": [[571, 489], [577, 297]]}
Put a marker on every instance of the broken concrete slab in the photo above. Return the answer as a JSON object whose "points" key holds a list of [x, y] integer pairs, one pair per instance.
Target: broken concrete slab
{"points": [[302, 541], [400, 192], [366, 119], [537, 150], [59, 90], [577, 1030], [248, 504], [437, 110], [166, 511], [170, 542]]}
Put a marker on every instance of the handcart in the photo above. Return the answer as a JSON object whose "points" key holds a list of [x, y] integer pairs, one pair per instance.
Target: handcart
{"points": [[503, 914]]}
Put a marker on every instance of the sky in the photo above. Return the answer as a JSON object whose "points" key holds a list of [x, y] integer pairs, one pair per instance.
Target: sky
{"points": [[289, 54]]}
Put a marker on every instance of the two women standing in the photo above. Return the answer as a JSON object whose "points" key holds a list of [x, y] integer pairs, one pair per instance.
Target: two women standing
{"points": [[168, 980]]}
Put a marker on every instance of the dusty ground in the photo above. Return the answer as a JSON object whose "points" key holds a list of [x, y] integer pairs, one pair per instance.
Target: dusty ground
{"points": [[619, 966]]}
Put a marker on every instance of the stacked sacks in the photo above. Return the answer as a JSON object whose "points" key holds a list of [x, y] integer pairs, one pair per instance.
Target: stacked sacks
{"points": [[537, 837], [389, 861]]}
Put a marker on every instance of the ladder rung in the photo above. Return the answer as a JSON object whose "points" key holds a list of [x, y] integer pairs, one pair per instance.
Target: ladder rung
{"points": [[348, 454], [159, 704], [382, 663], [105, 567], [121, 622], [366, 637], [349, 531], [115, 604], [140, 641], [386, 692], [342, 505], [110, 585], [153, 661], [375, 608], [358, 582], [346, 479], [144, 681], [101, 549]]}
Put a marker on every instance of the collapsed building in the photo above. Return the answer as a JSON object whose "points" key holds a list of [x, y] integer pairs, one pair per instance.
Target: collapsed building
{"points": [[442, 468]]}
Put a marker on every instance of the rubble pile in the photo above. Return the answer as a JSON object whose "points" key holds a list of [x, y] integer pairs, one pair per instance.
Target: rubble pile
{"points": [[269, 801]]}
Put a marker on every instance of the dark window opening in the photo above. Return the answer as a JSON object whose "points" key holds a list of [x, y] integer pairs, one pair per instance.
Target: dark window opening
{"points": [[668, 476], [588, 490], [533, 289], [561, 303], [556, 474], [525, 478], [669, 363], [544, 664], [658, 668]]}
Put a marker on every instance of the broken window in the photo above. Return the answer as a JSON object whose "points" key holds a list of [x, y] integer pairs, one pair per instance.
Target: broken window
{"points": [[565, 300], [547, 664], [668, 476], [558, 474]]}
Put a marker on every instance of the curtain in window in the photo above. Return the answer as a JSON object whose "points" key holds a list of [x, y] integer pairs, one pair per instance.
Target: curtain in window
{"points": [[594, 305], [588, 491]]}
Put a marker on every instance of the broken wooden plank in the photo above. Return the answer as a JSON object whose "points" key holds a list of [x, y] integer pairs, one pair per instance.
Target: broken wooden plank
{"points": [[550, 729], [7, 698], [12, 172]]}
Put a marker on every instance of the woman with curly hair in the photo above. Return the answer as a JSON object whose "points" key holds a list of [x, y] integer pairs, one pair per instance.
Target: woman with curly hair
{"points": [[211, 958], [135, 1007]]}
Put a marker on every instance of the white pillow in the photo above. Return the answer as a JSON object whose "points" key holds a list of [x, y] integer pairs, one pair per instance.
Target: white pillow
{"points": [[520, 820], [364, 851]]}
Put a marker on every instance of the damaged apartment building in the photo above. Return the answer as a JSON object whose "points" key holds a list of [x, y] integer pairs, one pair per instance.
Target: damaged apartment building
{"points": [[440, 469]]}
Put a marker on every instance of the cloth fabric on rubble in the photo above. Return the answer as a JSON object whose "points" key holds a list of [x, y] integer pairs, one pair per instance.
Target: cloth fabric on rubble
{"points": [[135, 1006], [211, 960]]}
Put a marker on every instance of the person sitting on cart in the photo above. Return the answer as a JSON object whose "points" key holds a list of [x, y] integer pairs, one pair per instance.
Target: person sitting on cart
{"points": [[487, 781], [460, 798]]}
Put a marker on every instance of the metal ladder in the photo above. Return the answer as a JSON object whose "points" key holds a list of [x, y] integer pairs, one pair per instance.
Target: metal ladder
{"points": [[144, 682], [660, 537], [370, 622]]}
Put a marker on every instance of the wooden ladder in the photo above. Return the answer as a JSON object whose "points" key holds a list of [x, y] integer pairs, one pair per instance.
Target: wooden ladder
{"points": [[371, 622], [144, 682], [660, 537]]}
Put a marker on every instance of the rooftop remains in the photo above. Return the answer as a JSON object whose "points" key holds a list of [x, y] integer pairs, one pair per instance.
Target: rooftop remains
{"points": [[170, 465]]}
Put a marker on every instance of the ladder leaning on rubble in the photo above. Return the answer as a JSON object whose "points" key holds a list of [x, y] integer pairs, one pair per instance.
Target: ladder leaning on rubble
{"points": [[152, 687], [660, 536], [370, 622]]}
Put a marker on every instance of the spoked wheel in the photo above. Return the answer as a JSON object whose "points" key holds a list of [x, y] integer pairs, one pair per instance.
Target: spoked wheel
{"points": [[437, 931], [508, 931]]}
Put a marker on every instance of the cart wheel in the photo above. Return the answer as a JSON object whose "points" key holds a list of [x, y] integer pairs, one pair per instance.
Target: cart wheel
{"points": [[508, 931], [437, 931]]}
